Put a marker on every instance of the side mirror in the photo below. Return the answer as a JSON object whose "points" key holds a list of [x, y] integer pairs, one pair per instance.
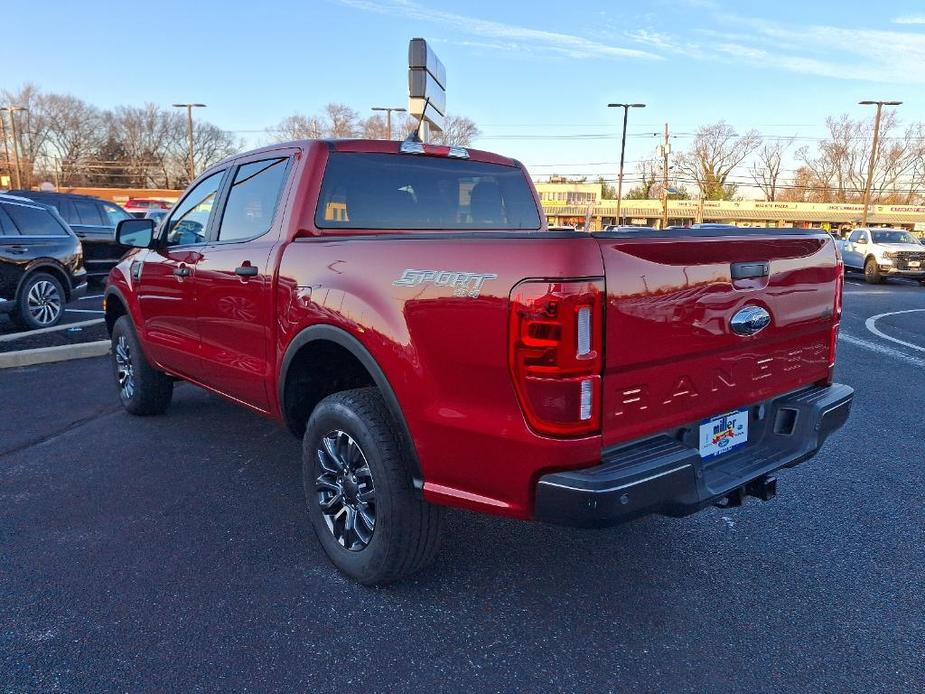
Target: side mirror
{"points": [[862, 241], [137, 233]]}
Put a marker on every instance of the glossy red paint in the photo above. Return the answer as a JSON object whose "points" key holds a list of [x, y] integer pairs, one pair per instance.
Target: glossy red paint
{"points": [[669, 357]]}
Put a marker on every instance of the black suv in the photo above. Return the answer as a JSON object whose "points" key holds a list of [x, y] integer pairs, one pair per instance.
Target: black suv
{"points": [[94, 221], [41, 263]]}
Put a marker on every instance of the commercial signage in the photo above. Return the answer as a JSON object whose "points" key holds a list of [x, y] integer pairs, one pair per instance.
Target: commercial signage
{"points": [[426, 84]]}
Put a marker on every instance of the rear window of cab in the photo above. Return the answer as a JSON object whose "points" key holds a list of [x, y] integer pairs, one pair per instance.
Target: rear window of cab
{"points": [[402, 191]]}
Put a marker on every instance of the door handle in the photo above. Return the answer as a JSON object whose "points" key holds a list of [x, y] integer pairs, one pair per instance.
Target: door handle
{"points": [[17, 249], [246, 270], [182, 271]]}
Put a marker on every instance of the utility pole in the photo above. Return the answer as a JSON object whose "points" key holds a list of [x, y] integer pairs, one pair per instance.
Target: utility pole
{"points": [[388, 115], [189, 120], [873, 151], [665, 149], [12, 111], [626, 109], [6, 147]]}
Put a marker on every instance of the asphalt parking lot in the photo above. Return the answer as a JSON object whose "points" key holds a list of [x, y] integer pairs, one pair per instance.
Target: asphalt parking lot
{"points": [[83, 309], [173, 553]]}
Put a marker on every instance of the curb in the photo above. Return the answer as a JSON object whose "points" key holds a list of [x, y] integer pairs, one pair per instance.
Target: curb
{"points": [[41, 331], [46, 355]]}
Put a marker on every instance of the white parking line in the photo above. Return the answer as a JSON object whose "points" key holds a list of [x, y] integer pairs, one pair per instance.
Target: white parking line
{"points": [[881, 349], [83, 310], [871, 324]]}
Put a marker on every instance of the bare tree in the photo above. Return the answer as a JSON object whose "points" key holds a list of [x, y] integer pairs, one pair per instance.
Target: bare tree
{"points": [[374, 128], [768, 165], [340, 121], [457, 130], [31, 127], [298, 127], [715, 153], [74, 134], [836, 169]]}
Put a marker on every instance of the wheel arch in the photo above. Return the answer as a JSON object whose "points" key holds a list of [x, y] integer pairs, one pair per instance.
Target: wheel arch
{"points": [[115, 306], [322, 336], [49, 267]]}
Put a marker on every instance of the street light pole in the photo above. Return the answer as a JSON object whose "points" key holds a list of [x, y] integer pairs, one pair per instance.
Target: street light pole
{"points": [[388, 115], [873, 151], [12, 111], [189, 120], [6, 146], [626, 109]]}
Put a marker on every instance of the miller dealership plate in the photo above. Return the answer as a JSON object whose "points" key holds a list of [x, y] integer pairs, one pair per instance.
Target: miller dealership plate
{"points": [[724, 433]]}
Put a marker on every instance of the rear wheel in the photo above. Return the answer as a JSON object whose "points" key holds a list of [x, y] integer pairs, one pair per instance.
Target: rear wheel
{"points": [[41, 302], [361, 500], [872, 271], [143, 389]]}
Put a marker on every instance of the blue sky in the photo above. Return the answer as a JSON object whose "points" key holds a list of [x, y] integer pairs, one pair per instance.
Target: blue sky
{"points": [[535, 76]]}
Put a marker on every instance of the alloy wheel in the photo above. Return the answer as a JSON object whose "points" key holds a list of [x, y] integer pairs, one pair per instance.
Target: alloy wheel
{"points": [[44, 302], [125, 371], [345, 490]]}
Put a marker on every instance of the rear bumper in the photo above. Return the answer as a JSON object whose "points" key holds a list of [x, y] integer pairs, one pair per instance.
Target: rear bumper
{"points": [[665, 474]]}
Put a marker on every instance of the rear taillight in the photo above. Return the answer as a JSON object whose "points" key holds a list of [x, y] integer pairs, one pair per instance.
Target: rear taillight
{"points": [[556, 355], [836, 314]]}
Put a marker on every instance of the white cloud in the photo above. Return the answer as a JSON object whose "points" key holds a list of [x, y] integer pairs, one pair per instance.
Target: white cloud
{"points": [[910, 19], [559, 43]]}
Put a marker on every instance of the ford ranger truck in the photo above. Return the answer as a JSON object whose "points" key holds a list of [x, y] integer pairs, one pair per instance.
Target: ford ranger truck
{"points": [[403, 309], [882, 253]]}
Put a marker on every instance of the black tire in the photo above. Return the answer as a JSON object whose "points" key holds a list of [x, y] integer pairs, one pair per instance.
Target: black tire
{"points": [[143, 390], [40, 303], [872, 271], [405, 533]]}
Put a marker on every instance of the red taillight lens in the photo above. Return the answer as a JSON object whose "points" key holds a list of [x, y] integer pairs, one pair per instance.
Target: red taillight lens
{"points": [[556, 359]]}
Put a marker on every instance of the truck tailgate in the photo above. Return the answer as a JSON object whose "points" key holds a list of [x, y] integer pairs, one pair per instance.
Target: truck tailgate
{"points": [[671, 356]]}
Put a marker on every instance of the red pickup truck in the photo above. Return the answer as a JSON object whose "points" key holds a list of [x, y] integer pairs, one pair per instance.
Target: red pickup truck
{"points": [[403, 308]]}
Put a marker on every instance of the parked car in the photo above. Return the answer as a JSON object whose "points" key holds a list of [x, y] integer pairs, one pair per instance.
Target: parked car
{"points": [[94, 221], [41, 263], [403, 308], [137, 207], [882, 253]]}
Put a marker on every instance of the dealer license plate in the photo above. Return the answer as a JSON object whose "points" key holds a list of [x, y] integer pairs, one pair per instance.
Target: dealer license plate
{"points": [[724, 433], [915, 263]]}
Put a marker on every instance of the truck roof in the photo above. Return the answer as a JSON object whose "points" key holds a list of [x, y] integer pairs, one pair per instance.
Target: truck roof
{"points": [[372, 147]]}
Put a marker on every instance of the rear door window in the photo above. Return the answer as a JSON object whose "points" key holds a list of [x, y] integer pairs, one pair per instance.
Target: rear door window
{"points": [[33, 221], [88, 213], [112, 214], [67, 210], [414, 192], [7, 228], [252, 199]]}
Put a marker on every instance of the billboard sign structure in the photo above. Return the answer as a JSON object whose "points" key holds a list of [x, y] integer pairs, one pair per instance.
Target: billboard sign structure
{"points": [[426, 84]]}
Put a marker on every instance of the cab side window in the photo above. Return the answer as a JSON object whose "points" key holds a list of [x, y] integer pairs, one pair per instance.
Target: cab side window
{"points": [[252, 199], [855, 236], [189, 221]]}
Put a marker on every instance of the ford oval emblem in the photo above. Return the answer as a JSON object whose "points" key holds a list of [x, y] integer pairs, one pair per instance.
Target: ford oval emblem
{"points": [[750, 320]]}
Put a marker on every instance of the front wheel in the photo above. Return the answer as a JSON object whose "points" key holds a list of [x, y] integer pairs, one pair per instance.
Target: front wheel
{"points": [[361, 500], [143, 390], [872, 272]]}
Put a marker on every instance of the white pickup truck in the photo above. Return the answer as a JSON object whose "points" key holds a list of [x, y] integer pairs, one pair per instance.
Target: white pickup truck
{"points": [[882, 253]]}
